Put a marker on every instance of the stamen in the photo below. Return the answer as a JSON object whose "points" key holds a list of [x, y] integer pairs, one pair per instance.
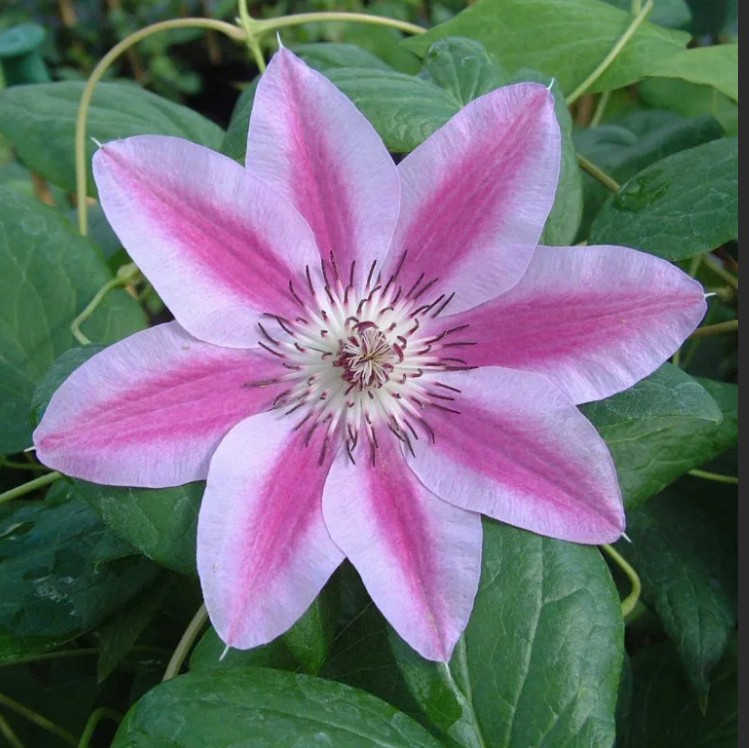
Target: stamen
{"points": [[364, 359], [294, 295]]}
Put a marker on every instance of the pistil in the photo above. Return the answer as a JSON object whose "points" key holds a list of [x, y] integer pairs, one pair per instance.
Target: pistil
{"points": [[363, 360]]}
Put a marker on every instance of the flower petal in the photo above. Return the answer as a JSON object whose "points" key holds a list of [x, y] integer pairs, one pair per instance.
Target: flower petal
{"points": [[418, 556], [594, 320], [218, 245], [519, 451], [476, 195], [151, 409], [313, 145], [263, 550]]}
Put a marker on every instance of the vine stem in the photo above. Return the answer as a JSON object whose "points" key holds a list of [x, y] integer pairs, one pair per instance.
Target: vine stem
{"points": [[125, 275], [249, 31], [37, 719], [721, 272], [272, 24], [186, 642], [22, 465], [600, 109], [32, 485], [598, 173], [629, 602], [248, 23], [621, 42], [235, 32], [63, 654], [98, 715], [10, 736], [717, 477], [732, 325]]}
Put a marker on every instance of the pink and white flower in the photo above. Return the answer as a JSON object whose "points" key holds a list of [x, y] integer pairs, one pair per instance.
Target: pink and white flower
{"points": [[365, 357]]}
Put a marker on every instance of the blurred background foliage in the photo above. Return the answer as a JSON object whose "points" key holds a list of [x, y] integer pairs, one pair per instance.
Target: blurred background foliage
{"points": [[118, 648]]}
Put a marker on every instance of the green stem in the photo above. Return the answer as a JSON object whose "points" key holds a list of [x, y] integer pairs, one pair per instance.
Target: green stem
{"points": [[13, 465], [229, 29], [603, 101], [37, 719], [459, 659], [717, 477], [126, 275], [599, 174], [273, 24], [82, 652], [694, 266], [636, 7], [248, 23], [6, 731], [186, 642], [32, 485], [719, 328], [97, 716], [612, 55], [629, 602], [721, 272], [75, 325]]}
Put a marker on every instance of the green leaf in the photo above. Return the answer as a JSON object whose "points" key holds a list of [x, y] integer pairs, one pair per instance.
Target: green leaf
{"points": [[310, 638], [630, 144], [666, 713], [303, 647], [716, 66], [662, 427], [210, 653], [689, 100], [57, 374], [234, 144], [679, 207], [684, 549], [713, 16], [64, 691], [54, 582], [565, 39], [49, 275], [673, 14], [404, 110], [540, 660], [329, 55], [39, 121], [232, 706], [360, 654], [382, 41], [563, 221], [463, 68], [160, 522], [118, 634]]}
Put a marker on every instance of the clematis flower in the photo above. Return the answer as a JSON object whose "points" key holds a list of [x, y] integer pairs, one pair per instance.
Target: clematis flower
{"points": [[365, 357]]}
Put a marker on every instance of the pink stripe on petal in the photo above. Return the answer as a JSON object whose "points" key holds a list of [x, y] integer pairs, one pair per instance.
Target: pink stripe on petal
{"points": [[218, 246], [477, 193], [520, 452], [151, 409], [310, 142], [594, 320], [419, 557], [264, 552]]}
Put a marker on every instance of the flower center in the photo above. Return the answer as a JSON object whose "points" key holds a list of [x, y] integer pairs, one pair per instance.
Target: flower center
{"points": [[367, 357], [361, 359]]}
